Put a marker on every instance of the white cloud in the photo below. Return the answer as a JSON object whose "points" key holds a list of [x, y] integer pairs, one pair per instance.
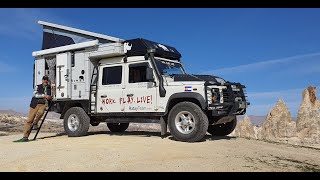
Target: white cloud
{"points": [[269, 64], [264, 109], [263, 102], [5, 68], [22, 22], [287, 94], [276, 75], [278, 94]]}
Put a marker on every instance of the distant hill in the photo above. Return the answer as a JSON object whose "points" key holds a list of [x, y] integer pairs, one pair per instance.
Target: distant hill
{"points": [[258, 120], [12, 112], [51, 115]]}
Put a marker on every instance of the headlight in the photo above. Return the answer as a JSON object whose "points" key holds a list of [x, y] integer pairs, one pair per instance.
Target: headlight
{"points": [[209, 95], [215, 95]]}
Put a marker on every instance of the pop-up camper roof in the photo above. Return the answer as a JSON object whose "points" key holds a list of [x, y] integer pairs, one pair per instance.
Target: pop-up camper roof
{"points": [[58, 38], [55, 35]]}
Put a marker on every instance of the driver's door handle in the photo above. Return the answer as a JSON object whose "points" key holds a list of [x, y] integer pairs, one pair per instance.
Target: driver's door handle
{"points": [[129, 95], [103, 96]]}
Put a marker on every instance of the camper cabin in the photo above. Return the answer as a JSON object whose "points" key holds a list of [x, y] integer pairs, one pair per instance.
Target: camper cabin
{"points": [[68, 56]]}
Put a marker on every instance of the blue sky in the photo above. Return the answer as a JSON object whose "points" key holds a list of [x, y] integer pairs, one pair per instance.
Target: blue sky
{"points": [[274, 52]]}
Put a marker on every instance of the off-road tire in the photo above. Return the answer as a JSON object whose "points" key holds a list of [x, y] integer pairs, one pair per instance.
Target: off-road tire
{"points": [[94, 121], [118, 127], [200, 120], [222, 129], [84, 122]]}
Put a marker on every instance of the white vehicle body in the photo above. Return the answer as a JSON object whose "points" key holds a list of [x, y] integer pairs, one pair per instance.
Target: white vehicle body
{"points": [[120, 81]]}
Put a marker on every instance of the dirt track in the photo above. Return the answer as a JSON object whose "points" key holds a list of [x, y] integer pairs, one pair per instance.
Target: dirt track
{"points": [[146, 151]]}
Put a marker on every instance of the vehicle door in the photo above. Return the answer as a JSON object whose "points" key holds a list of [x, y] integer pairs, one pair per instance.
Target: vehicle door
{"points": [[110, 89], [140, 94]]}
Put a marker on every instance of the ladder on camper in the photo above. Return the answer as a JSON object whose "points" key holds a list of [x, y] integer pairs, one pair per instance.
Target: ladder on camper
{"points": [[94, 90], [47, 110]]}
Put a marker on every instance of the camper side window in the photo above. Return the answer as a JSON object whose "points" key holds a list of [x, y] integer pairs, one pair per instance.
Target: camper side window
{"points": [[112, 75]]}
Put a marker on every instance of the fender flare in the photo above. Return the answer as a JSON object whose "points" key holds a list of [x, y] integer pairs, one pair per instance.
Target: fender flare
{"points": [[189, 95]]}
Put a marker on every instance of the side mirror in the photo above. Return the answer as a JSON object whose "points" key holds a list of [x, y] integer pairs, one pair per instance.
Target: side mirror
{"points": [[149, 74]]}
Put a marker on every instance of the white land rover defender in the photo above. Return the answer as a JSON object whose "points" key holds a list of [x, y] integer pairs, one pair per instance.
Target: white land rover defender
{"points": [[97, 78]]}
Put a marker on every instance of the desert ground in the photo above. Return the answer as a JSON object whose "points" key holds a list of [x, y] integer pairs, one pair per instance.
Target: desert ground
{"points": [[143, 149]]}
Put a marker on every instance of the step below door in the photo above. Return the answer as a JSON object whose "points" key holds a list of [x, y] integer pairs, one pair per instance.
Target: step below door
{"points": [[63, 73]]}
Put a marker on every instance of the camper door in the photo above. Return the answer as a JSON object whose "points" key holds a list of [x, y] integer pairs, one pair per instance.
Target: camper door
{"points": [[63, 73], [39, 71]]}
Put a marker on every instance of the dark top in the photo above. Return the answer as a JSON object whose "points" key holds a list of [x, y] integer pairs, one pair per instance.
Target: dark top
{"points": [[35, 101], [139, 47]]}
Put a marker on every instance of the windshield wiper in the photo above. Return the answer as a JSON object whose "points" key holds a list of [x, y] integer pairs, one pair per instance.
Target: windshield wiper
{"points": [[195, 76]]}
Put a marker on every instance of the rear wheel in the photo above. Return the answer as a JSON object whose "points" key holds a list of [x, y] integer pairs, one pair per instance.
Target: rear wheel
{"points": [[187, 122], [118, 127], [76, 122], [223, 129], [94, 121]]}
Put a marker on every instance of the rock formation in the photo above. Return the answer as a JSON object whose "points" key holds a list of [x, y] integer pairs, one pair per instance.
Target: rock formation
{"points": [[279, 127], [308, 120], [278, 123], [245, 129]]}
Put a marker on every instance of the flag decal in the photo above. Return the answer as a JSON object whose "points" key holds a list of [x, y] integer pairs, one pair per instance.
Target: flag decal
{"points": [[188, 88]]}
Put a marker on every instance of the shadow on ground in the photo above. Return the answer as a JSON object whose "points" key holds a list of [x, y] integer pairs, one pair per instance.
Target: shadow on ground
{"points": [[209, 138], [144, 134], [53, 136]]}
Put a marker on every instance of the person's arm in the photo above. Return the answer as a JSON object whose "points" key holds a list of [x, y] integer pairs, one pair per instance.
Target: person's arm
{"points": [[48, 97]]}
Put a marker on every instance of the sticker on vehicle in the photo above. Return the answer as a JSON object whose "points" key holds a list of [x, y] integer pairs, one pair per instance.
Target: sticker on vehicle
{"points": [[188, 88]]}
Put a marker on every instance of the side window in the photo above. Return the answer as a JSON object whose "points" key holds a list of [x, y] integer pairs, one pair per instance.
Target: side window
{"points": [[112, 75], [138, 72]]}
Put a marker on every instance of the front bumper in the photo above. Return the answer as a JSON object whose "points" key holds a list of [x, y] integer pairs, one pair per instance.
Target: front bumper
{"points": [[228, 109], [234, 101]]}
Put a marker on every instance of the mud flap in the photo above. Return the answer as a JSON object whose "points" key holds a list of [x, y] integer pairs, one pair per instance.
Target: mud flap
{"points": [[163, 125]]}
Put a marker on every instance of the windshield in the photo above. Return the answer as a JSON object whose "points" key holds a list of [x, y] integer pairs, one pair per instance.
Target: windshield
{"points": [[169, 68]]}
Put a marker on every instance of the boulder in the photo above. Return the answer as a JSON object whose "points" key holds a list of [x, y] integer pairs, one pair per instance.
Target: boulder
{"points": [[278, 123], [245, 129], [308, 119]]}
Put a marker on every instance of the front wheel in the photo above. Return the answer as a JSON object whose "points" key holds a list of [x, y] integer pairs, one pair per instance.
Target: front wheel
{"points": [[187, 122], [76, 122], [223, 129], [118, 127]]}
